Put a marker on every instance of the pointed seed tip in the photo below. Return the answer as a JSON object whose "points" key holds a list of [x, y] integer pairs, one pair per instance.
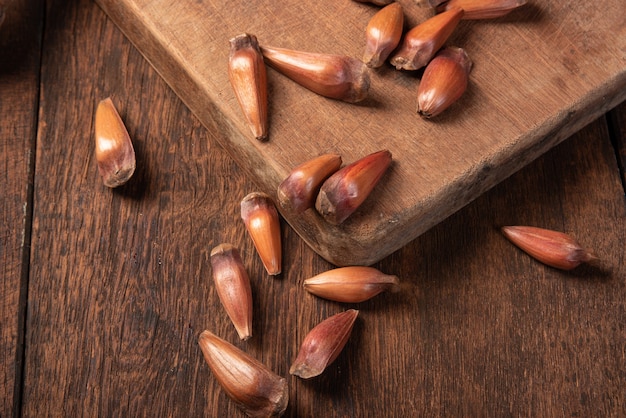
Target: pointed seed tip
{"points": [[222, 248]]}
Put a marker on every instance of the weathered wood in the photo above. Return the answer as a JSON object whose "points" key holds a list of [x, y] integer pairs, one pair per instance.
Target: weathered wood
{"points": [[481, 329], [532, 329], [20, 34], [116, 302], [120, 282], [540, 74]]}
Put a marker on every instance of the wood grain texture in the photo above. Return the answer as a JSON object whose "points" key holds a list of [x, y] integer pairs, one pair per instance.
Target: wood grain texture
{"points": [[540, 74], [120, 282], [114, 299], [617, 126], [19, 93]]}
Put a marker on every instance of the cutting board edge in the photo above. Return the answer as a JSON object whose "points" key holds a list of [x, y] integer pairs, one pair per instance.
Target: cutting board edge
{"points": [[470, 188], [348, 246]]}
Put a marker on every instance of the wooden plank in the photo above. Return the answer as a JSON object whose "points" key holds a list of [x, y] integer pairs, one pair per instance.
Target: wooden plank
{"points": [[120, 283], [540, 74], [20, 33], [481, 329], [498, 334]]}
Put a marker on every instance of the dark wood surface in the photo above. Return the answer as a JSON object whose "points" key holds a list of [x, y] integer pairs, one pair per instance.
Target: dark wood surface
{"points": [[104, 292]]}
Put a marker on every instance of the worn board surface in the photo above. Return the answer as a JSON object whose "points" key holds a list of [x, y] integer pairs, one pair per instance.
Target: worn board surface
{"points": [[540, 74], [19, 89]]}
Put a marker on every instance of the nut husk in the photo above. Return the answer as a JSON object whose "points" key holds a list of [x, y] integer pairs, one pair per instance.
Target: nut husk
{"points": [[334, 76], [323, 344], [423, 41], [553, 248], [233, 287], [115, 154], [352, 284], [343, 192], [257, 390], [298, 191], [260, 216], [444, 81], [383, 34], [248, 77]]}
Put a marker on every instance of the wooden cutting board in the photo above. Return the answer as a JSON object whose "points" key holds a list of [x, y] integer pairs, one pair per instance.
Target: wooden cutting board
{"points": [[540, 74]]}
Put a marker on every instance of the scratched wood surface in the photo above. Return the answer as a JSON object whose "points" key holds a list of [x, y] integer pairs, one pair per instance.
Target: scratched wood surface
{"points": [[119, 284], [540, 74], [19, 72]]}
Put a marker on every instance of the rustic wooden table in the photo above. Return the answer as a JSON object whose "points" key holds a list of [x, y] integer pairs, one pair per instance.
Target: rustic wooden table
{"points": [[103, 293]]}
